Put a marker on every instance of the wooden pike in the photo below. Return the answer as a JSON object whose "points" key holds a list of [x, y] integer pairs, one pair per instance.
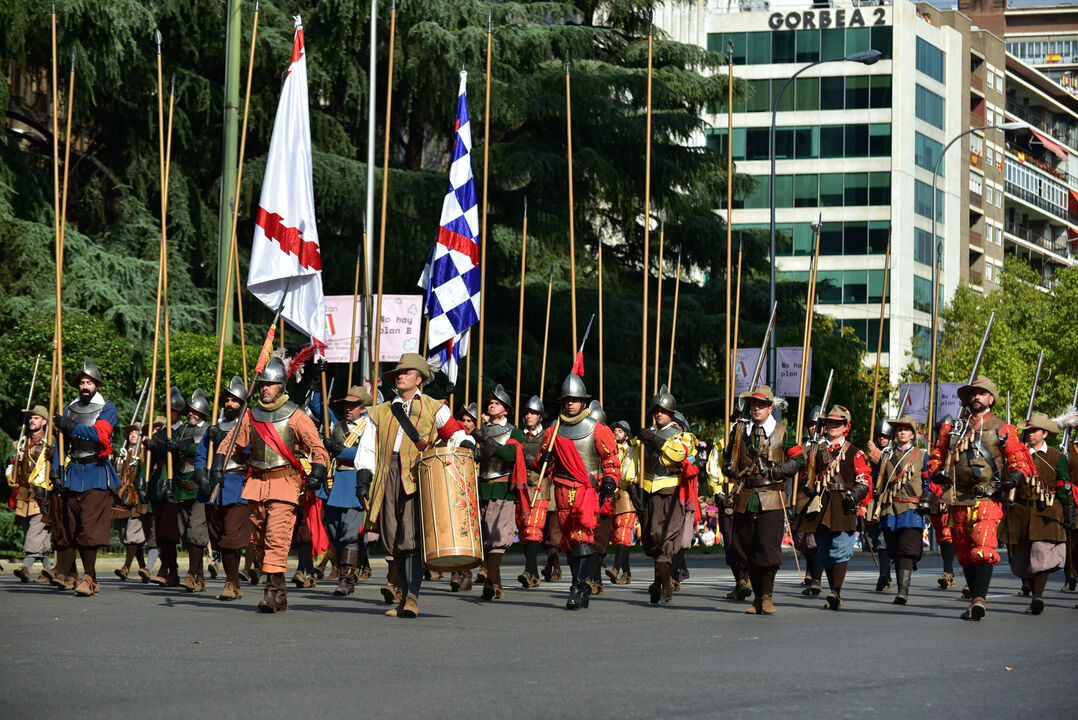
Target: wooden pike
{"points": [[600, 270], [572, 221], [935, 332], [520, 311], [729, 376], [483, 227], [546, 331], [806, 343], [239, 309], [646, 267], [355, 301], [737, 323], [164, 259], [659, 303], [879, 339], [385, 200], [673, 327]]}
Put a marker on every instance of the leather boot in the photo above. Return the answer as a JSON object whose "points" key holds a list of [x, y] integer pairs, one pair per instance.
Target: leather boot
{"points": [[835, 577], [230, 559], [904, 577], [756, 583], [268, 603], [580, 558], [742, 587], [884, 582], [346, 573], [492, 587], [530, 577], [282, 592], [767, 579], [1039, 583]]}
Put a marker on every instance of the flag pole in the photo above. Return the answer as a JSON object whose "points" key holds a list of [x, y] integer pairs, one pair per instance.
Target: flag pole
{"points": [[486, 204], [600, 321], [355, 301], [546, 330], [729, 375], [377, 329], [646, 267], [659, 303], [879, 339], [806, 348], [234, 252], [572, 229], [164, 259], [673, 327], [520, 312]]}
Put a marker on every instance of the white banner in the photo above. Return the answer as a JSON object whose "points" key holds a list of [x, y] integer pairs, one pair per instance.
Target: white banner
{"points": [[788, 378], [744, 362], [401, 326], [947, 402]]}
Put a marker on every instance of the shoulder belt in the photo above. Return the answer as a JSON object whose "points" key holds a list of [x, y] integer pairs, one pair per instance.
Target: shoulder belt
{"points": [[406, 423]]}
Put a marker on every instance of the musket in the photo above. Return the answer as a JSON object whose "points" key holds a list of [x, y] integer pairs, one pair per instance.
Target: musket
{"points": [[557, 424], [1034, 484], [263, 358], [21, 446], [735, 444], [1065, 444], [810, 474], [130, 452]]}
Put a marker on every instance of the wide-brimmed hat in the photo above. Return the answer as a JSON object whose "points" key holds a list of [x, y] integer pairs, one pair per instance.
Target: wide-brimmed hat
{"points": [[906, 421], [357, 393], [38, 410], [980, 384], [408, 361], [763, 392], [1039, 421], [837, 412]]}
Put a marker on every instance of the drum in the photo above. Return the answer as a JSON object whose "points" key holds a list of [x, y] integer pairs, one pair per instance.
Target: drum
{"points": [[449, 507]]}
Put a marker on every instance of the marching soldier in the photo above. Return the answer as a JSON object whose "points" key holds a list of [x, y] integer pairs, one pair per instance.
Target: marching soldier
{"points": [[502, 475], [162, 495], [29, 499], [939, 516], [405, 427], [624, 510], [689, 491], [89, 476], [228, 519], [128, 508], [190, 513], [531, 518], [984, 459], [899, 484], [877, 447], [802, 526], [274, 429], [761, 455], [1034, 526], [841, 481], [582, 457], [351, 444], [606, 519]]}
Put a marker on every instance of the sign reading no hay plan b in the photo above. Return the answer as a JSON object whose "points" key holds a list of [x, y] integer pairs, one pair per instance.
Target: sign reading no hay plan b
{"points": [[401, 325]]}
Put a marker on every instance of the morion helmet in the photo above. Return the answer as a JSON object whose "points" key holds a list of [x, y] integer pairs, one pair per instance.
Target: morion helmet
{"points": [[274, 372], [236, 389], [89, 370], [665, 400], [499, 394], [597, 412], [573, 387], [198, 403], [535, 405]]}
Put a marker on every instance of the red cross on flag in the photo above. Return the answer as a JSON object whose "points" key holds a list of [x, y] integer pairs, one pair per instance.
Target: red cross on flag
{"points": [[285, 255]]}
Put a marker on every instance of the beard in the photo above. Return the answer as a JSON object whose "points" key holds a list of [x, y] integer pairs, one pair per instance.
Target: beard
{"points": [[85, 396]]}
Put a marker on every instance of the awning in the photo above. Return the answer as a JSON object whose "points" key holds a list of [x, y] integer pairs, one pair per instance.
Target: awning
{"points": [[1050, 145]]}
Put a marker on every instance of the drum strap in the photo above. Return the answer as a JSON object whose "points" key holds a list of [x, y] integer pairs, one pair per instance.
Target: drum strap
{"points": [[406, 424]]}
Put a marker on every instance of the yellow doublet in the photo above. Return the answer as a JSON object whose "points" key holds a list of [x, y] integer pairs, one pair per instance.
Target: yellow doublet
{"points": [[673, 453]]}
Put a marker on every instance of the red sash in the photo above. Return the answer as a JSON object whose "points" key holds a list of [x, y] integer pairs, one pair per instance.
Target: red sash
{"points": [[270, 436], [571, 462], [312, 515]]}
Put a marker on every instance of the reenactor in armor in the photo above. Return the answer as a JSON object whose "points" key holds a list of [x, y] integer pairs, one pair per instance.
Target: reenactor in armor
{"points": [[690, 499], [899, 482], [228, 519], [30, 498], [274, 429], [351, 445], [624, 509], [86, 476], [975, 463], [190, 513], [531, 518], [840, 483], [1034, 527], [606, 519], [502, 475], [662, 502], [582, 456], [760, 456], [162, 495]]}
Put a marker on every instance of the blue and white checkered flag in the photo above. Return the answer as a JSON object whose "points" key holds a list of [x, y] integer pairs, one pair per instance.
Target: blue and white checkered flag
{"points": [[450, 278]]}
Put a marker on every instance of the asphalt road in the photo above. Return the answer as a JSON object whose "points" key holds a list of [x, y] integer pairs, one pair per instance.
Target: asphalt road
{"points": [[138, 649]]}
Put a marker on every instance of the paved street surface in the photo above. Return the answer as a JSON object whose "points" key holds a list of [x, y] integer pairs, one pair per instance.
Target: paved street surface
{"points": [[170, 654]]}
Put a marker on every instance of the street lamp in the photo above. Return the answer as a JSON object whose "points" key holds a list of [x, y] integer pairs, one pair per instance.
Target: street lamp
{"points": [[1006, 127], [866, 57]]}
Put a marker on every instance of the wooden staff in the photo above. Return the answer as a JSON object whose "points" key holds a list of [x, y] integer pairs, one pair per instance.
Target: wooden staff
{"points": [[385, 199], [280, 334], [468, 368], [659, 303], [164, 259], [572, 224], [546, 330], [673, 328], [234, 252], [483, 227], [647, 237], [325, 400], [355, 305], [935, 325], [729, 377], [239, 309], [160, 246], [367, 311], [56, 366], [520, 312], [737, 322], [806, 348], [63, 219], [600, 321], [879, 340]]}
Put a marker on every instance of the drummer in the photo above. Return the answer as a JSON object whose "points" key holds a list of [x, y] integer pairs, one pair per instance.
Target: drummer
{"points": [[406, 426]]}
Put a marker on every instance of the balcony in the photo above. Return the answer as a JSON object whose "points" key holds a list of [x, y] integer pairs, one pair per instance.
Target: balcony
{"points": [[976, 199], [1045, 122], [976, 239], [1039, 202], [1027, 235]]}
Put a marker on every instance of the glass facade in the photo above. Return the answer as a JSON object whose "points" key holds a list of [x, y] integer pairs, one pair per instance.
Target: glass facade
{"points": [[929, 106], [855, 92], [926, 152], [930, 60], [922, 200], [856, 237], [823, 190], [809, 142], [801, 46]]}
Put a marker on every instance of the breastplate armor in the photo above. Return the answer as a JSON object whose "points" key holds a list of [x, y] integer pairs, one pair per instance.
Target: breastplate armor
{"points": [[490, 465], [653, 464], [84, 415], [532, 446], [973, 473], [581, 435], [194, 433], [232, 465], [263, 456]]}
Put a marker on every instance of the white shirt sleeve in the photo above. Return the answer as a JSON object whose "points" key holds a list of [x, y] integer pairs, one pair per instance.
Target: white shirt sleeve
{"points": [[365, 456]]}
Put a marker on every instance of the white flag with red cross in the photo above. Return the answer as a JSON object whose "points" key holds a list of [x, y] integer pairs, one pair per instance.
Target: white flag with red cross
{"points": [[285, 255]]}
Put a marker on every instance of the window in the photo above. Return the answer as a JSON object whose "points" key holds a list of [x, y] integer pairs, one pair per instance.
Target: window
{"points": [[784, 191], [991, 80], [879, 188], [831, 145], [858, 40], [857, 92], [881, 40], [829, 286], [922, 246], [782, 46], [832, 93], [988, 271], [999, 236], [807, 93], [759, 48], [831, 190], [999, 82], [856, 189], [926, 151], [999, 198], [758, 198], [929, 106], [808, 46], [831, 239], [807, 142], [759, 96], [854, 286], [922, 294], [875, 287], [806, 191], [757, 143], [784, 143], [832, 43], [879, 231], [879, 140], [855, 238], [856, 141], [930, 60], [922, 200], [922, 342], [880, 90]]}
